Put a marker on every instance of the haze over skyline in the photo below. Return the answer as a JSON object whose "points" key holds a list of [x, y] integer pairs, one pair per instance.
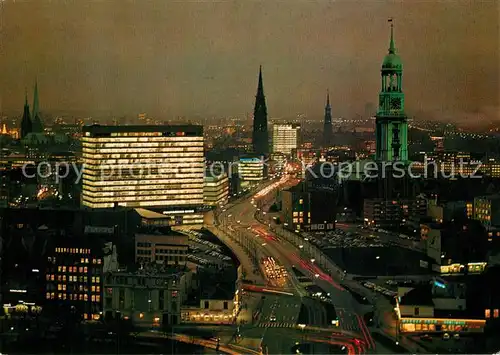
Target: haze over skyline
{"points": [[202, 58]]}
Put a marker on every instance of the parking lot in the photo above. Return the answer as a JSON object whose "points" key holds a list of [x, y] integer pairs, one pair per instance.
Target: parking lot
{"points": [[343, 239], [206, 253]]}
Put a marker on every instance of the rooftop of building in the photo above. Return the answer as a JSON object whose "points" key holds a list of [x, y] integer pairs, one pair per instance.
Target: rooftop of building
{"points": [[492, 197], [152, 269], [419, 296], [143, 128]]}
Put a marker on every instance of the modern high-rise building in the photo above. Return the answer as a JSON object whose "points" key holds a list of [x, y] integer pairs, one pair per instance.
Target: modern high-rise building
{"points": [[285, 138], [260, 137], [391, 121], [159, 167], [327, 124]]}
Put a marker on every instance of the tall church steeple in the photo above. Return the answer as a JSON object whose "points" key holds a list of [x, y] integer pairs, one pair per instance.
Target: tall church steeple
{"points": [[327, 124], [260, 138], [391, 121], [37, 122], [26, 125]]}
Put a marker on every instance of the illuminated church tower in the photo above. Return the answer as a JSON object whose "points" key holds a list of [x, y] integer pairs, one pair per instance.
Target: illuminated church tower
{"points": [[391, 122]]}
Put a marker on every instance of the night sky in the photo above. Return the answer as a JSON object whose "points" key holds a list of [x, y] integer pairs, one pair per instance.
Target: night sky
{"points": [[201, 58]]}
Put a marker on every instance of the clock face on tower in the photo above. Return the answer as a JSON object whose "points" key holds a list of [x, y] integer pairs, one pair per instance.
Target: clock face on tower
{"points": [[395, 103]]}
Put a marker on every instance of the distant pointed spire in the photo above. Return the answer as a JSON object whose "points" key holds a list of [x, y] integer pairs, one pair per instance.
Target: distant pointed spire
{"points": [[37, 125], [26, 125], [328, 97], [260, 135], [392, 47], [260, 87], [35, 99]]}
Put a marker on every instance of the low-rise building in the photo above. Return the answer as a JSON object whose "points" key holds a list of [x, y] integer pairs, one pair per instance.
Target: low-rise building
{"points": [[216, 189], [161, 245], [436, 308], [150, 296]]}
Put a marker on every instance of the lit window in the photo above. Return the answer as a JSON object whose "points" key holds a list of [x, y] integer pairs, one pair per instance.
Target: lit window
{"points": [[495, 313], [98, 298], [93, 288], [59, 268], [47, 295], [82, 260], [85, 269], [86, 260], [64, 269], [487, 313]]}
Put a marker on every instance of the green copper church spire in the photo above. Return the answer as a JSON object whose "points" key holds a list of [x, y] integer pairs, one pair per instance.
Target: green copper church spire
{"points": [[391, 122], [392, 47]]}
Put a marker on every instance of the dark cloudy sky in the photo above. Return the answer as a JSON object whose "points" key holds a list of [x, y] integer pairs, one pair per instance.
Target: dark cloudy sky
{"points": [[201, 58]]}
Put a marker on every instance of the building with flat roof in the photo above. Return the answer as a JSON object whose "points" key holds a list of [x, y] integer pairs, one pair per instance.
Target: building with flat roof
{"points": [[216, 189], [285, 137], [143, 166], [150, 296], [162, 246], [153, 167], [251, 170]]}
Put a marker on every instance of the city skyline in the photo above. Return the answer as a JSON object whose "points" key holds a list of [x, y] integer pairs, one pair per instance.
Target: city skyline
{"points": [[97, 57]]}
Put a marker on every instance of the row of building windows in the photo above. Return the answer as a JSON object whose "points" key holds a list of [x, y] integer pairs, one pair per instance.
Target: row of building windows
{"points": [[175, 147], [118, 188], [142, 136], [73, 250], [72, 297]]}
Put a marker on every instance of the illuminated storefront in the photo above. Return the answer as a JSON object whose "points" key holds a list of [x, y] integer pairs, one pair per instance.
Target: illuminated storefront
{"points": [[143, 166], [212, 311], [428, 325], [457, 268], [434, 324]]}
